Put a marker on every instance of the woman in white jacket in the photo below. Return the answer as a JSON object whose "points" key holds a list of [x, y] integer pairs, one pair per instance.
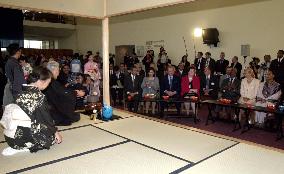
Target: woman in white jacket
{"points": [[249, 88]]}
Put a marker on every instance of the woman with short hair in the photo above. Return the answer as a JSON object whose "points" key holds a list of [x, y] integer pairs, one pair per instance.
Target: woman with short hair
{"points": [[150, 87]]}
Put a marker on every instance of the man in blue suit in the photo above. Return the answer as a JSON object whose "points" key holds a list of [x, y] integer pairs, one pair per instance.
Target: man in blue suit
{"points": [[171, 87]]}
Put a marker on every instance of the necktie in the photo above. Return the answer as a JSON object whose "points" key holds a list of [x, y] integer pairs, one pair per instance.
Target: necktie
{"points": [[171, 81], [207, 82], [133, 79]]}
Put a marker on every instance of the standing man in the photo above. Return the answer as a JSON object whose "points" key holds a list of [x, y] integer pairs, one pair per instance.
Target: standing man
{"points": [[209, 62], [14, 74], [277, 66], [235, 64], [199, 63], [221, 65]]}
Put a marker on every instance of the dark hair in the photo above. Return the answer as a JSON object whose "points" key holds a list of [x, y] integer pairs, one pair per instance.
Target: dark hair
{"points": [[208, 53], [89, 52], [200, 53], [115, 68], [22, 58], [39, 73], [272, 70], [282, 51], [151, 69], [13, 48]]}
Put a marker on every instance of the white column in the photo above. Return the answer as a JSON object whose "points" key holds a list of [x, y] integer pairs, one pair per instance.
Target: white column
{"points": [[105, 31]]}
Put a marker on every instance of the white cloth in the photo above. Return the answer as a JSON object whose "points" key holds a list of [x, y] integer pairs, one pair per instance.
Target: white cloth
{"points": [[249, 90], [13, 117]]}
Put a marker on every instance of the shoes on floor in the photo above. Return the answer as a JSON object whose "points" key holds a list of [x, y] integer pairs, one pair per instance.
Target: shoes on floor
{"points": [[10, 151]]}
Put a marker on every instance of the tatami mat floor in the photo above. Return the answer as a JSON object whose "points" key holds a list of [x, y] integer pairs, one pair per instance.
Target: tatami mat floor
{"points": [[138, 145]]}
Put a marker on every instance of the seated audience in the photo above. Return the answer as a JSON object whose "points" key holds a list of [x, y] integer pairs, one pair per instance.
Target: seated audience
{"points": [[190, 86], [64, 76], [61, 100], [225, 76], [249, 87], [116, 86], [89, 66], [209, 85], [230, 87], [27, 123], [150, 86], [78, 87], [268, 92], [170, 86], [132, 87]]}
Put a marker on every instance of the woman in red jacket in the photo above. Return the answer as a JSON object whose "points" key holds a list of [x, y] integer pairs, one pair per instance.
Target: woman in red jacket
{"points": [[190, 84]]}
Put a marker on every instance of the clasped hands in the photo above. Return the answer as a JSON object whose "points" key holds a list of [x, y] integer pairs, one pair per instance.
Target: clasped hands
{"points": [[170, 93]]}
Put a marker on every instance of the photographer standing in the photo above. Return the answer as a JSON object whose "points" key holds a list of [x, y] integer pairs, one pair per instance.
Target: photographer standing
{"points": [[264, 67], [254, 65]]}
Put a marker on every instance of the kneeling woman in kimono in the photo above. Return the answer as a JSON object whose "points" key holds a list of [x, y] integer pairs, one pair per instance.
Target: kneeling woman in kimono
{"points": [[268, 92], [27, 124]]}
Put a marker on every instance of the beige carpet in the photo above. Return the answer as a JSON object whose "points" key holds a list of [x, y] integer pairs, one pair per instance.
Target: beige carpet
{"points": [[242, 159], [1, 134], [74, 141], [84, 120], [149, 147], [180, 142], [126, 158]]}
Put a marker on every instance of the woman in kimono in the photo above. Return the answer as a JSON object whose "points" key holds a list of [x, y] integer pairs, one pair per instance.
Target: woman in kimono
{"points": [[268, 92], [27, 124]]}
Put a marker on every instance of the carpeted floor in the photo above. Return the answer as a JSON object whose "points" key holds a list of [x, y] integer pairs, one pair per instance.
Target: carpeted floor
{"points": [[255, 135]]}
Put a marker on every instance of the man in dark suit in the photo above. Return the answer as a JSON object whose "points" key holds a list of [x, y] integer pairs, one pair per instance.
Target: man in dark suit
{"points": [[116, 84], [236, 65], [209, 62], [132, 86], [180, 71], [62, 101], [277, 66], [230, 87], [221, 65], [171, 86], [199, 63], [209, 85]]}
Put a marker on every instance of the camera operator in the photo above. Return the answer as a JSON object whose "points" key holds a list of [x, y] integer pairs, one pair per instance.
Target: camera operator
{"points": [[264, 67], [254, 65]]}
